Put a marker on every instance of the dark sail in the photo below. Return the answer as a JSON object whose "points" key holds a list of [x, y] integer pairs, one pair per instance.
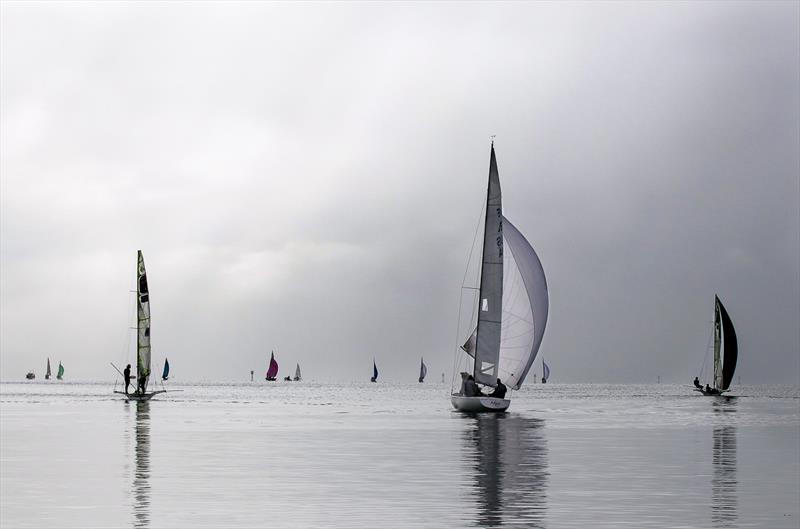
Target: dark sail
{"points": [[731, 348]]}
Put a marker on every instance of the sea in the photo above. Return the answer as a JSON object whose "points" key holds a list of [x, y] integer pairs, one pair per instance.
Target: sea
{"points": [[382, 455]]}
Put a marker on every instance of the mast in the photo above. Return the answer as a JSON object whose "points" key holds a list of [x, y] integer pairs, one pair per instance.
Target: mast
{"points": [[490, 301], [717, 344]]}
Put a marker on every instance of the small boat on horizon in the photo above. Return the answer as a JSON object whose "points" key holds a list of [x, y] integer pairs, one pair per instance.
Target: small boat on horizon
{"points": [[423, 370], [297, 376], [47, 375], [30, 376], [60, 375], [545, 372], [726, 353], [165, 373], [374, 371], [272, 370]]}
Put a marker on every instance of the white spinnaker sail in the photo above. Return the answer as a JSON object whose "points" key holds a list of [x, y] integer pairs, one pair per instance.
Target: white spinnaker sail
{"points": [[525, 307], [143, 320], [491, 289]]}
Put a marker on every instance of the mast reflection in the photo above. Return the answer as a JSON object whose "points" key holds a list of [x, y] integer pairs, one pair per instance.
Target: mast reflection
{"points": [[723, 483], [508, 457], [141, 480]]}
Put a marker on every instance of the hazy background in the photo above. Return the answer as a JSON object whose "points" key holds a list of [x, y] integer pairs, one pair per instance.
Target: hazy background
{"points": [[308, 178]]}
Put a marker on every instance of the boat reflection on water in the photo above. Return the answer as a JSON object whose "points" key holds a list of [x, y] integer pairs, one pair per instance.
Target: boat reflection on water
{"points": [[723, 483], [141, 479], [507, 455]]}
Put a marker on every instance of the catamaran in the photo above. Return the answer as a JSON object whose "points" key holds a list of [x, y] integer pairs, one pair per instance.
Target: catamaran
{"points": [[142, 336], [48, 374], [512, 308], [272, 370], [726, 351], [423, 370], [60, 375]]}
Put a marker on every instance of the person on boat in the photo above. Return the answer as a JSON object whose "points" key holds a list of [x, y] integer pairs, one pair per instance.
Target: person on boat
{"points": [[127, 374], [697, 383], [471, 389], [287, 379], [499, 390]]}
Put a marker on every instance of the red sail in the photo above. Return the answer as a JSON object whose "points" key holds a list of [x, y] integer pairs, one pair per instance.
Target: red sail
{"points": [[272, 372]]}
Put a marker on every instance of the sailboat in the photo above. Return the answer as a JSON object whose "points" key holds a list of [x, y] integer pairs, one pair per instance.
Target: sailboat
{"points": [[165, 373], [726, 351], [374, 371], [143, 350], [423, 370], [512, 308], [272, 370], [297, 376], [545, 372], [60, 375], [48, 374]]}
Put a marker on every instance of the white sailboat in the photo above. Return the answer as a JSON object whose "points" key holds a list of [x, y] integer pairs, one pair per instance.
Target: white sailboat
{"points": [[143, 353], [512, 308], [726, 352]]}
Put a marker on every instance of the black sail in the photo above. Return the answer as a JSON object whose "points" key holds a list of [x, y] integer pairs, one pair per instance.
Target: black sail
{"points": [[731, 348]]}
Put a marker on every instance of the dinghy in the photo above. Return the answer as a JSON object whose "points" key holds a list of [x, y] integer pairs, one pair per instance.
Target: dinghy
{"points": [[726, 351], [60, 375], [143, 351], [272, 370], [47, 375], [297, 376], [374, 371], [422, 370], [512, 308]]}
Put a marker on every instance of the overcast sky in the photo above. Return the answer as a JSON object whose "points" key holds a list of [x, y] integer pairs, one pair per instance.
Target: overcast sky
{"points": [[308, 177]]}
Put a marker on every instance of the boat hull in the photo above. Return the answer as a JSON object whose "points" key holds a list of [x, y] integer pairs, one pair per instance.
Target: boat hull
{"points": [[479, 404], [711, 394], [140, 396]]}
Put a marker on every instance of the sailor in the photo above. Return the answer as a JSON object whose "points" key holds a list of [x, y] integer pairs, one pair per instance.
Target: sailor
{"points": [[127, 374], [697, 383], [499, 391], [471, 389]]}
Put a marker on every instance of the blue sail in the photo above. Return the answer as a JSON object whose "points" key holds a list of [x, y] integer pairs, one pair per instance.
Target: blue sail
{"points": [[165, 375]]}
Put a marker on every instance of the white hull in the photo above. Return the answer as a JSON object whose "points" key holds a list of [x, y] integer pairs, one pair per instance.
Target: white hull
{"points": [[479, 404]]}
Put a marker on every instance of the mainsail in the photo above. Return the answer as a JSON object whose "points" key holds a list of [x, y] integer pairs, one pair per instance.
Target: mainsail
{"points": [[47, 375], [60, 374], [423, 370], [726, 349], [143, 325], [297, 375], [272, 371], [490, 303]]}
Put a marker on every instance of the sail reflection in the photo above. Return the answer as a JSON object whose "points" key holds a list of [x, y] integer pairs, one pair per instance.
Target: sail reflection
{"points": [[724, 483], [508, 457], [141, 480]]}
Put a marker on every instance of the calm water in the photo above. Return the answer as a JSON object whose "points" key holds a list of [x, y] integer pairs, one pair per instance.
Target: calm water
{"points": [[381, 455]]}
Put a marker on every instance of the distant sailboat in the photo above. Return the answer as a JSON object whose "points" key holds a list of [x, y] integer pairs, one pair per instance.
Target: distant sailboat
{"points": [[165, 373], [726, 352], [297, 376], [272, 370], [60, 374], [31, 375], [143, 349], [422, 370], [545, 372], [512, 314], [374, 371], [48, 374]]}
